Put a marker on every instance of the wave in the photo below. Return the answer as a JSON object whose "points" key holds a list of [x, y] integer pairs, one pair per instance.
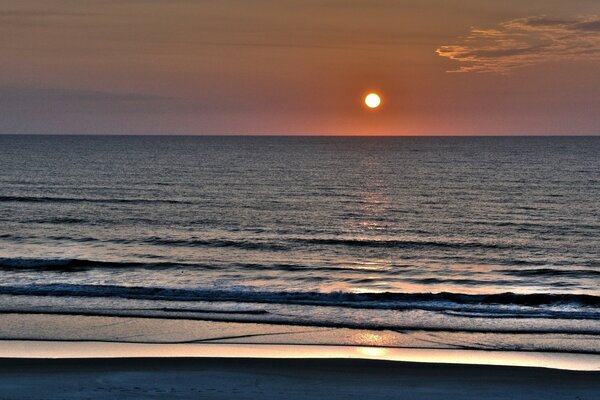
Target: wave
{"points": [[286, 243], [551, 272], [197, 242], [57, 221], [74, 264], [387, 300], [399, 244], [51, 199], [282, 244]]}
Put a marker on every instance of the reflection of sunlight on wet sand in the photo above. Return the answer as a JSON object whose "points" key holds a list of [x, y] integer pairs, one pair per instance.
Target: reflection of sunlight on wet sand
{"points": [[49, 349], [375, 352]]}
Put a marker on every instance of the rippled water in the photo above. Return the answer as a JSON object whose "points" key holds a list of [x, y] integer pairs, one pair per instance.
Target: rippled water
{"points": [[490, 234]]}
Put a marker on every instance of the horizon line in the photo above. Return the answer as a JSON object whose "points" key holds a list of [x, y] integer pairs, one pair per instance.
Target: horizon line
{"points": [[312, 135]]}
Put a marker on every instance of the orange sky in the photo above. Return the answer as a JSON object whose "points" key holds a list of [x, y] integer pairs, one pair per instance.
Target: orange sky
{"points": [[300, 67]]}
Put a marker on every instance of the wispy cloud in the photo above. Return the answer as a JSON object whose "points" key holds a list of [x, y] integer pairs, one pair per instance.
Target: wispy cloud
{"points": [[526, 41]]}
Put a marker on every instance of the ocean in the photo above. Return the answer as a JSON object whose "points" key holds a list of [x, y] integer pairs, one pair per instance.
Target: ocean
{"points": [[486, 235]]}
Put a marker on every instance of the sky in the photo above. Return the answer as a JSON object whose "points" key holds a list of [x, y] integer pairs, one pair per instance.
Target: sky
{"points": [[282, 67]]}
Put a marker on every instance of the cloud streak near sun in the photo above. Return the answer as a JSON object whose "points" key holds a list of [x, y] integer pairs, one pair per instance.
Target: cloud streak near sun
{"points": [[524, 42]]}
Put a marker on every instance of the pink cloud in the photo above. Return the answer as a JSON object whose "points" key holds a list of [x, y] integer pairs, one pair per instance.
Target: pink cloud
{"points": [[524, 42]]}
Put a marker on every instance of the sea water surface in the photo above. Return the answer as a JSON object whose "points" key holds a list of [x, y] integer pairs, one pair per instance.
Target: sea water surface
{"points": [[488, 235]]}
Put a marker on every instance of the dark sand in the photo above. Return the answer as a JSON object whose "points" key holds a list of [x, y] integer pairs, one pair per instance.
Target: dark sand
{"points": [[240, 378]]}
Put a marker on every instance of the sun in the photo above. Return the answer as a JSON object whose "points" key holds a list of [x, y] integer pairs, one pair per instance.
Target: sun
{"points": [[372, 100]]}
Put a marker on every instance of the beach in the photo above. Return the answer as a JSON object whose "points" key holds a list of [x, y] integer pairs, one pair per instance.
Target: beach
{"points": [[209, 267], [104, 370], [247, 378]]}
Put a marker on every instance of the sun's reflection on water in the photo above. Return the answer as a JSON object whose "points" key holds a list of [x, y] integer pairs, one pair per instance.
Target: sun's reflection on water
{"points": [[373, 340]]}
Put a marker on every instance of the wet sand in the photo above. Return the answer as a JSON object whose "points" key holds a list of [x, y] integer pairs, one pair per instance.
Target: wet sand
{"points": [[244, 378]]}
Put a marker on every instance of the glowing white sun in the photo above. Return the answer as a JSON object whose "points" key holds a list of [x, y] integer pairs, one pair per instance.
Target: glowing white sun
{"points": [[372, 100]]}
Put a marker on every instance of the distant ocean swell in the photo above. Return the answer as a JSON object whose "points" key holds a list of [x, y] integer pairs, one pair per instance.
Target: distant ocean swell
{"points": [[283, 243], [76, 264], [49, 199]]}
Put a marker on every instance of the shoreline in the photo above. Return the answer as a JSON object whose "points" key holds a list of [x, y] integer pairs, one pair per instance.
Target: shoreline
{"points": [[72, 350], [79, 329]]}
